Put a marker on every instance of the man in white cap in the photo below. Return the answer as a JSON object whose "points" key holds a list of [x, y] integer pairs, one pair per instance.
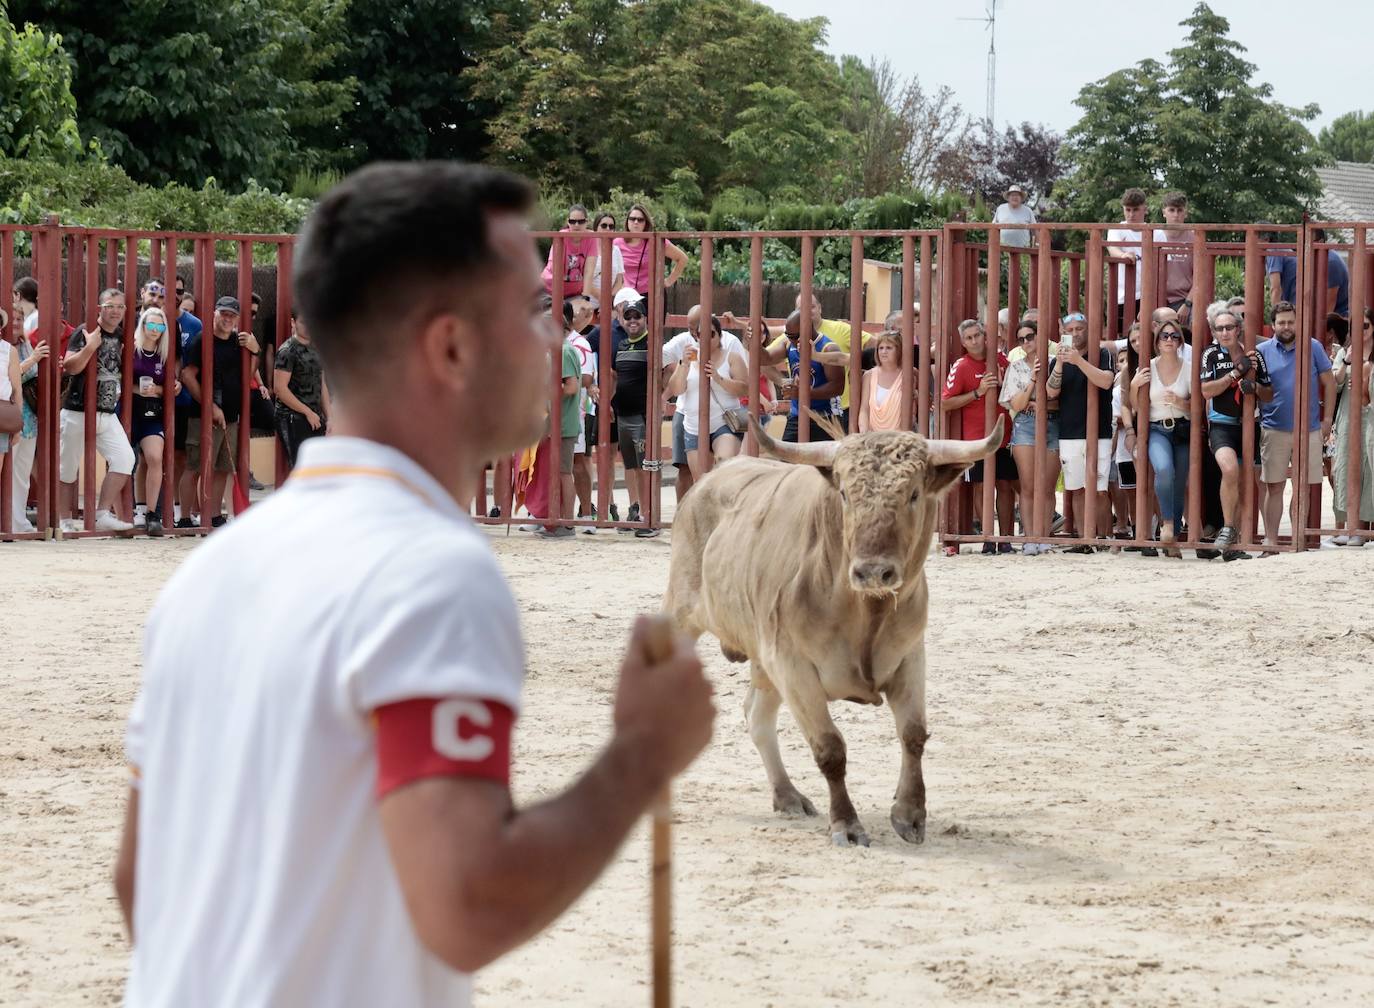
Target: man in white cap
{"points": [[1015, 211]]}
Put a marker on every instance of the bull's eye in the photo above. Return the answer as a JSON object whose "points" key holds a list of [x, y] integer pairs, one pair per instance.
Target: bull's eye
{"points": [[844, 498], [915, 496]]}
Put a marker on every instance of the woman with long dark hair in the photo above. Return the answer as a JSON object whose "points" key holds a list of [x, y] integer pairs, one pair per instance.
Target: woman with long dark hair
{"points": [[636, 253]]}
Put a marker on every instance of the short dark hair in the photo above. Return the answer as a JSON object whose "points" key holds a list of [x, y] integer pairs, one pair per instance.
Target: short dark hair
{"points": [[1175, 199], [568, 310], [1133, 197], [255, 299], [27, 289], [1280, 308], [386, 236]]}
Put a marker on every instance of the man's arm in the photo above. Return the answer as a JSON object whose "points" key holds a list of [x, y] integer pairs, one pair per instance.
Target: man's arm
{"points": [[1275, 287], [833, 386], [1099, 377], [480, 876], [124, 862], [11, 410], [1328, 383], [75, 360]]}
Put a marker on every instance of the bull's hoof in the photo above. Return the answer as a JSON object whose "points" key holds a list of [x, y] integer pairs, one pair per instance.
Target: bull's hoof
{"points": [[791, 802], [909, 824], [849, 834]]}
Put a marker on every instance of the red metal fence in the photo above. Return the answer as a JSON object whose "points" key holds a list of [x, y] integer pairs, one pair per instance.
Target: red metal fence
{"points": [[962, 271]]}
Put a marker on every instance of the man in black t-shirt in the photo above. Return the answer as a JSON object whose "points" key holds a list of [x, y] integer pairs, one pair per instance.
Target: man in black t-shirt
{"points": [[105, 344], [1068, 383], [1228, 375], [630, 392], [223, 391]]}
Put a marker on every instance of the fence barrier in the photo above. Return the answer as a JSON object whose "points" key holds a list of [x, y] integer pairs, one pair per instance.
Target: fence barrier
{"points": [[961, 271]]}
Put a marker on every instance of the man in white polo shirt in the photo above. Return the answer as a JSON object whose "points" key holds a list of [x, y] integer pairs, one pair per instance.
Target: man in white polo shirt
{"points": [[328, 821]]}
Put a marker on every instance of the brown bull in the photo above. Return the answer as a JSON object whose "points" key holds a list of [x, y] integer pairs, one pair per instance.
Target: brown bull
{"points": [[813, 569]]}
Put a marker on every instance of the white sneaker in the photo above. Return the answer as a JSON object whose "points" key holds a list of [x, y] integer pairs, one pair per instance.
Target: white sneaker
{"points": [[24, 525], [1340, 540], [108, 521], [70, 525]]}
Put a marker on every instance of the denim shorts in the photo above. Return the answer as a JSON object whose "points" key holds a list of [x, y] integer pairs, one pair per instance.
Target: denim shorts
{"points": [[690, 441], [1023, 430]]}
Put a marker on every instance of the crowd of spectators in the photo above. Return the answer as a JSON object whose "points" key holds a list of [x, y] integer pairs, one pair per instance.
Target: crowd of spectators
{"points": [[294, 407], [1035, 372]]}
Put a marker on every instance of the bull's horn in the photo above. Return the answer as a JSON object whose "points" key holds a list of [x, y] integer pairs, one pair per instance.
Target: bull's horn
{"points": [[965, 452], [817, 453]]}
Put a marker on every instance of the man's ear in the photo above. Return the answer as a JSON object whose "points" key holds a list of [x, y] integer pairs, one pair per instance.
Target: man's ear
{"points": [[941, 477], [446, 343]]}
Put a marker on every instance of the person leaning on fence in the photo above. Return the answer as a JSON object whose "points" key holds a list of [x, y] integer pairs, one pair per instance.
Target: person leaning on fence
{"points": [[884, 387], [24, 442], [1122, 479], [636, 255], [225, 399], [363, 844], [579, 253], [569, 426], [302, 404], [106, 345], [153, 363], [1279, 420], [973, 378], [1068, 383], [826, 380], [728, 373], [1178, 263], [1169, 390], [1019, 395], [629, 392], [1344, 373], [1228, 375], [1133, 220], [605, 221]]}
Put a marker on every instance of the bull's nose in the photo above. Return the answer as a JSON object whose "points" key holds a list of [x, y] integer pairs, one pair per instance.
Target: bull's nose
{"points": [[874, 573]]}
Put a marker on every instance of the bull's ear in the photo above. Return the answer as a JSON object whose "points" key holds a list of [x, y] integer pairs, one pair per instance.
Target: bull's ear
{"points": [[939, 478]]}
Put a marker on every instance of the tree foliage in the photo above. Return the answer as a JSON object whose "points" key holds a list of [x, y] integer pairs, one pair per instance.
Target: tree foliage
{"points": [[182, 90], [37, 107], [1198, 124], [988, 163], [1349, 137]]}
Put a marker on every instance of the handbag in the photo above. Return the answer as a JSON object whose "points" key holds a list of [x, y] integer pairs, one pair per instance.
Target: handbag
{"points": [[737, 419]]}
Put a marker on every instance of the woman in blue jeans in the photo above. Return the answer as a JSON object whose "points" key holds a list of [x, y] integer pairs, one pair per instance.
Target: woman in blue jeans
{"points": [[1170, 385]]}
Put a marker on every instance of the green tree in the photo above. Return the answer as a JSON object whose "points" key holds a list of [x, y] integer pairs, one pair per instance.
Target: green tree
{"points": [[591, 94], [413, 98], [181, 90], [1199, 125], [37, 108], [1349, 137]]}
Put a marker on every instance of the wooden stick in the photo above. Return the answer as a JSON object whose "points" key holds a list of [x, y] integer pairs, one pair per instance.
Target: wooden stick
{"points": [[658, 645]]}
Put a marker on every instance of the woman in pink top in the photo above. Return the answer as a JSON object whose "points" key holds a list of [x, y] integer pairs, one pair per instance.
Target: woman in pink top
{"points": [[639, 268], [579, 255]]}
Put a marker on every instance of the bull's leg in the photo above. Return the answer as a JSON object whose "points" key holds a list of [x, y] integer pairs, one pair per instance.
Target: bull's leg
{"points": [[906, 695], [810, 706], [761, 715]]}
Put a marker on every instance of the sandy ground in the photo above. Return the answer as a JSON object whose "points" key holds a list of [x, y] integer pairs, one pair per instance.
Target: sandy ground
{"points": [[1150, 783]]}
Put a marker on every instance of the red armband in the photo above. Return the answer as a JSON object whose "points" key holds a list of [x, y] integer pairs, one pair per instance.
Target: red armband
{"points": [[442, 737]]}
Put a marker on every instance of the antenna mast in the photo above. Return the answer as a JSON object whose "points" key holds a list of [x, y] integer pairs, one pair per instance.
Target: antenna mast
{"points": [[989, 18]]}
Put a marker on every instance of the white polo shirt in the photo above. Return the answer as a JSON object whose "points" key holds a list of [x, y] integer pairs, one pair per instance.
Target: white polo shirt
{"points": [[262, 875]]}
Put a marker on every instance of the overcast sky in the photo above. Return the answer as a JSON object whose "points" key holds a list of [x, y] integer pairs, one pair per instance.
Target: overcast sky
{"points": [[1048, 49]]}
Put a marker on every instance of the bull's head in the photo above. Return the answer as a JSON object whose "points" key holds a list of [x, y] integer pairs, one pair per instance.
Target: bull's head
{"points": [[889, 484]]}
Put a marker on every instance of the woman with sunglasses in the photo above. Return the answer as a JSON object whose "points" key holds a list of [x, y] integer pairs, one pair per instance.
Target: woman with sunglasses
{"points": [[1168, 382], [579, 245], [636, 256], [605, 222], [147, 432], [1019, 396], [1345, 371]]}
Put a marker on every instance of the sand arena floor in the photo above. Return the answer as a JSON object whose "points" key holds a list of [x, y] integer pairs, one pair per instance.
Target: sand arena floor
{"points": [[1150, 783]]}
